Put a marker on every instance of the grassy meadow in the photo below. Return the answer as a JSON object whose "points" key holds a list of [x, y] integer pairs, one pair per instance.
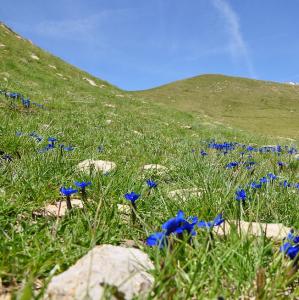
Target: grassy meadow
{"points": [[131, 129]]}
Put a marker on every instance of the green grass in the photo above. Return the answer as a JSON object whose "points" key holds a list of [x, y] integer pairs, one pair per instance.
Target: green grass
{"points": [[257, 106], [34, 248]]}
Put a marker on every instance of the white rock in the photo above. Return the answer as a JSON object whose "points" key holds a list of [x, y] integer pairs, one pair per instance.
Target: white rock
{"points": [[59, 74], [296, 156], [33, 56], [2, 45], [186, 127], [137, 132], [90, 81], [97, 165], [154, 167], [58, 209], [276, 231], [120, 96], [104, 266], [109, 105], [184, 194], [102, 86], [52, 66], [108, 122]]}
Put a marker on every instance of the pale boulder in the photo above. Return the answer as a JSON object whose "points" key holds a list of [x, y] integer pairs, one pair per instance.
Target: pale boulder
{"points": [[96, 165], [124, 269]]}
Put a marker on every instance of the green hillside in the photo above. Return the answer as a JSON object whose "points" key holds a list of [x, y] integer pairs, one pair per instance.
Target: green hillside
{"points": [[261, 107], [91, 119]]}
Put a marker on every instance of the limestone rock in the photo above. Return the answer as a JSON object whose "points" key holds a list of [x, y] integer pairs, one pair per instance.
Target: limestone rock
{"points": [[53, 210], [90, 81], [184, 194], [154, 167], [118, 268], [276, 231], [35, 57], [52, 66], [97, 165], [186, 127]]}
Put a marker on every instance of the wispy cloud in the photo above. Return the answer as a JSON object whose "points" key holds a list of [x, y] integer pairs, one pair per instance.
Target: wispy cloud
{"points": [[238, 46]]}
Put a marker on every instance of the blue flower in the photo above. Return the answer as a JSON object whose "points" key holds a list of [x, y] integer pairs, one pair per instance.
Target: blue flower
{"points": [[255, 185], [157, 239], [178, 224], [100, 148], [271, 176], [151, 183], [52, 140], [82, 184], [281, 164], [286, 184], [132, 197], [232, 165], [291, 246], [67, 191], [263, 180], [203, 153], [240, 194], [216, 222]]}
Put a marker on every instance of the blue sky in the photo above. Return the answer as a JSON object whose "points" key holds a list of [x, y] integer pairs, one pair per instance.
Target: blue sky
{"points": [[139, 44]]}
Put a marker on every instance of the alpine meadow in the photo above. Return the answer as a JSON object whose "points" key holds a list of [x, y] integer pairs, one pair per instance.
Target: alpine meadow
{"points": [[184, 191]]}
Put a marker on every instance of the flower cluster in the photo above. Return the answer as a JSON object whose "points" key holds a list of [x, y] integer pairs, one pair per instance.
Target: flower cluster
{"points": [[178, 225], [17, 96], [291, 245]]}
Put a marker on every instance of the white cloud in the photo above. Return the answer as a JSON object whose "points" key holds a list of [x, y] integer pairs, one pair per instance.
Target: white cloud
{"points": [[238, 46]]}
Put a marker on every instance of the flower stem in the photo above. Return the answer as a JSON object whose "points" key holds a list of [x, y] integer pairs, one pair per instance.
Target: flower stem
{"points": [[68, 203]]}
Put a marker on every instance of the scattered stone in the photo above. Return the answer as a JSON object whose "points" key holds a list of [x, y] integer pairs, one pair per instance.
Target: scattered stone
{"points": [[33, 56], [296, 156], [97, 165], [137, 132], [52, 210], [119, 95], [276, 231], [90, 81], [102, 86], [109, 105], [186, 127], [154, 167], [184, 194], [120, 270], [59, 74], [108, 122], [52, 66], [2, 45]]}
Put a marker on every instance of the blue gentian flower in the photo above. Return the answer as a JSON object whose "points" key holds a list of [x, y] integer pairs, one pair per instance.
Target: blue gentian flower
{"points": [[156, 239], [271, 176], [255, 185], [82, 184], [291, 246], [178, 224], [19, 133], [52, 141], [151, 183], [264, 180], [240, 194], [286, 184], [67, 191], [232, 165], [216, 222], [100, 148], [132, 197], [281, 164], [203, 153]]}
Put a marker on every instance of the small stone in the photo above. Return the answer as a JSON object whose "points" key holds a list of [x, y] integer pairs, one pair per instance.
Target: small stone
{"points": [[2, 45], [108, 122], [276, 231], [52, 210], [52, 66], [121, 270], [184, 194], [109, 105], [90, 81], [186, 127], [154, 167], [97, 165], [33, 56], [120, 96]]}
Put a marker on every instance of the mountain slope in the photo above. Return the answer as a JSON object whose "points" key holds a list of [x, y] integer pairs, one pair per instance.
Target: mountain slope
{"points": [[258, 106]]}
